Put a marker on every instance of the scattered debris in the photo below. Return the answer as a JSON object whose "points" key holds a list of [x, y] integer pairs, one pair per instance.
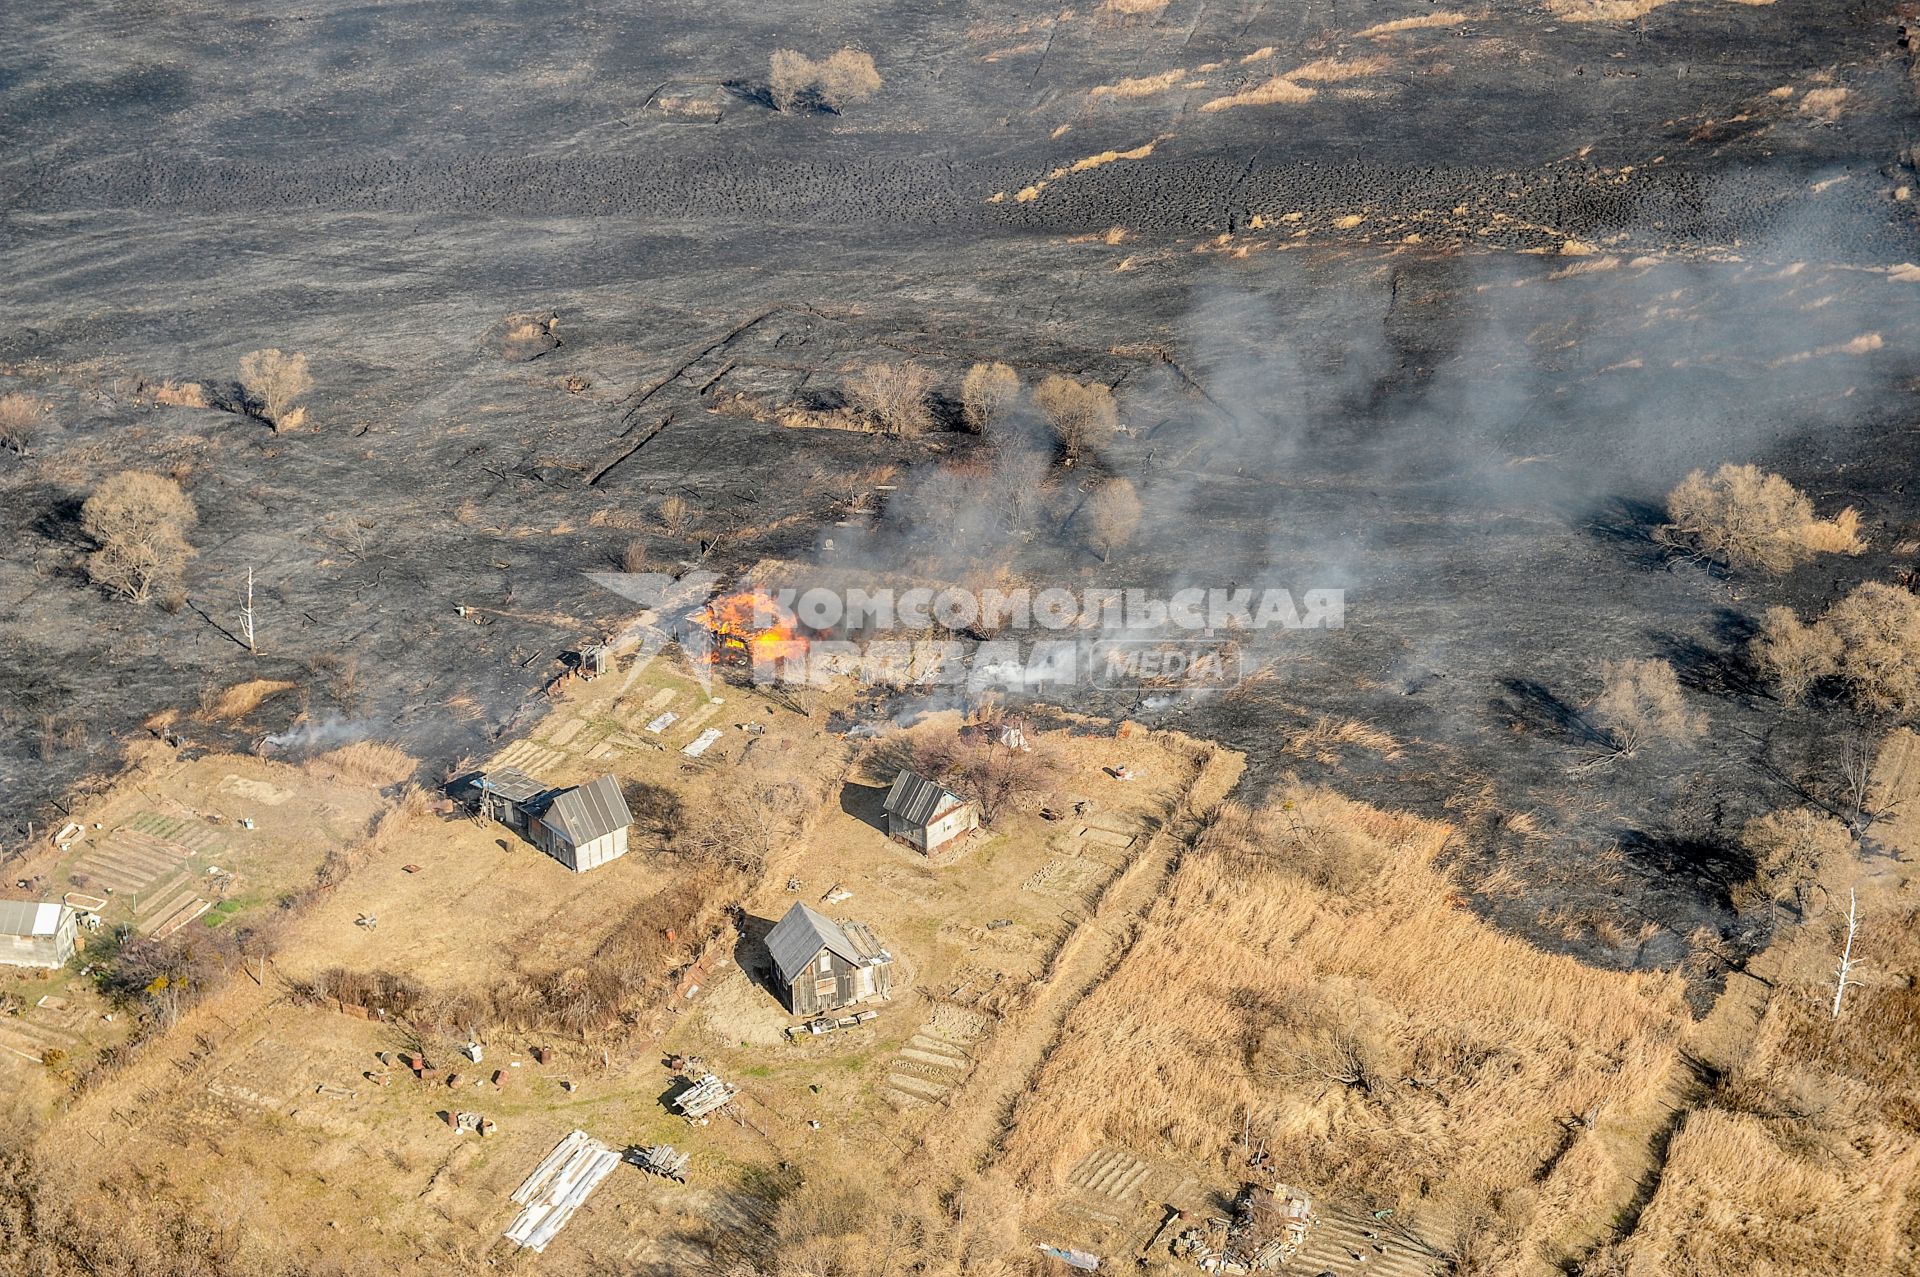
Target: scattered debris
{"points": [[703, 1097], [663, 1160], [701, 743], [663, 722]]}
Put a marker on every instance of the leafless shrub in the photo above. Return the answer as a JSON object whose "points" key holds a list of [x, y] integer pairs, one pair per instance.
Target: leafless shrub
{"points": [[986, 394], [1113, 514], [1745, 517], [676, 515], [1641, 704], [275, 381], [1080, 414], [1877, 628], [20, 417], [139, 521], [1793, 654], [892, 396], [1788, 848], [633, 556], [992, 761]]}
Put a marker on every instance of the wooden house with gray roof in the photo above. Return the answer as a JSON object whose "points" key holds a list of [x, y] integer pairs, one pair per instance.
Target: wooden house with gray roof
{"points": [[926, 815], [821, 965]]}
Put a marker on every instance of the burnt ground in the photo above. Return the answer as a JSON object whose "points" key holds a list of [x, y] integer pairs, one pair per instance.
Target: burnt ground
{"points": [[1442, 333]]}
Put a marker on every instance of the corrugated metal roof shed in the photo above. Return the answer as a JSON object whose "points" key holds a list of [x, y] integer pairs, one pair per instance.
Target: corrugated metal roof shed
{"points": [[591, 811], [917, 800], [29, 918], [797, 938], [512, 784]]}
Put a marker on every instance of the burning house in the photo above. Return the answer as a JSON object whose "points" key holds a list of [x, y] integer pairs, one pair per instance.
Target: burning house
{"points": [[582, 827], [821, 965], [751, 628], [37, 934], [926, 815]]}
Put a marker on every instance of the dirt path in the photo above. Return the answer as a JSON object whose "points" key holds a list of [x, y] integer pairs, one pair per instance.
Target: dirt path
{"points": [[978, 1111]]}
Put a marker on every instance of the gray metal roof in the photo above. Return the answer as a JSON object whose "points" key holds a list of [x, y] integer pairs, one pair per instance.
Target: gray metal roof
{"points": [[917, 800], [797, 939], [30, 917], [512, 784], [591, 811]]}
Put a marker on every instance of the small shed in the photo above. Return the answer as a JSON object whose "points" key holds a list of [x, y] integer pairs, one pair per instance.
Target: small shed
{"points": [[926, 815], [584, 827], [508, 795], [822, 965], [37, 933]]}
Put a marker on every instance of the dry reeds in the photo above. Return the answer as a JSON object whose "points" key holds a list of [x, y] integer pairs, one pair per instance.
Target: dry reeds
{"points": [[367, 762], [1309, 976]]}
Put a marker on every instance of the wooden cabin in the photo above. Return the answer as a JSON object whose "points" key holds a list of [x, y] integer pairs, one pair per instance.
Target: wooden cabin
{"points": [[821, 965], [925, 815]]}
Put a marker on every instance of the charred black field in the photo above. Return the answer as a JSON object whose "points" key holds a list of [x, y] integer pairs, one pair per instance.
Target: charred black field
{"points": [[1433, 307]]}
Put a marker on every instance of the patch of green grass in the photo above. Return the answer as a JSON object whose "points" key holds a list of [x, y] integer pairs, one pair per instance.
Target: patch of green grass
{"points": [[222, 913]]}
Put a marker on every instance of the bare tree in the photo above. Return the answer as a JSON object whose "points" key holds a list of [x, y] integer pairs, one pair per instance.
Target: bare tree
{"points": [[986, 394], [20, 417], [1847, 961], [275, 381], [1114, 513], [1745, 517], [1642, 703], [990, 761], [893, 396], [1079, 414], [139, 521], [246, 613]]}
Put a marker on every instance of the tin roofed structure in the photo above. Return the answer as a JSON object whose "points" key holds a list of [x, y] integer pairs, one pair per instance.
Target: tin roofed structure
{"points": [[37, 933], [821, 965], [582, 827], [926, 815]]}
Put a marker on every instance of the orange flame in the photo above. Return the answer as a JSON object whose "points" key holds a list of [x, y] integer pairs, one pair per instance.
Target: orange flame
{"points": [[752, 626]]}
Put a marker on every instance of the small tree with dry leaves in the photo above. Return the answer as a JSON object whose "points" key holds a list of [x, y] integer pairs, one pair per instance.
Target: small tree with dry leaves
{"points": [[1079, 414], [987, 393], [846, 78], [274, 382], [1747, 518], [1113, 514], [1788, 849], [1641, 704], [789, 74], [20, 417], [139, 521], [1794, 655], [892, 396], [1877, 631]]}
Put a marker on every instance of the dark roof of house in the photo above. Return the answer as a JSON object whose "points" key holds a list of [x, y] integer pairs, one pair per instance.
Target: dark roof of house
{"points": [[799, 937], [590, 811], [512, 784], [31, 917], [917, 800]]}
